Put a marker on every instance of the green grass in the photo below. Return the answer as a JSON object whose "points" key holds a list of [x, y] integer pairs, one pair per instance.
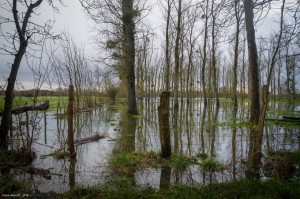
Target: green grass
{"points": [[117, 106], [127, 162], [283, 112], [137, 116], [8, 185], [180, 162], [285, 100], [60, 154], [211, 165], [53, 101], [270, 189], [202, 156]]}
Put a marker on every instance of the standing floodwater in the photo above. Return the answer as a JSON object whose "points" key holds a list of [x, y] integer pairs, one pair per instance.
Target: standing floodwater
{"points": [[211, 134]]}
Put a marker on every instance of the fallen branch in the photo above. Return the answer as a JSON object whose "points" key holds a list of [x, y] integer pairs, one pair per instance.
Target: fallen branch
{"points": [[286, 119], [85, 111], [23, 109], [45, 173], [89, 139], [295, 119]]}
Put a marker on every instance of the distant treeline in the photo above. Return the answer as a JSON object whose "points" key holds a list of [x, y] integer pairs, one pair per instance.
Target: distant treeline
{"points": [[32, 93]]}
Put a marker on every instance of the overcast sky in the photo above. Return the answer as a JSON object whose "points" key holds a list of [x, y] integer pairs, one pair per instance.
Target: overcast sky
{"points": [[72, 18]]}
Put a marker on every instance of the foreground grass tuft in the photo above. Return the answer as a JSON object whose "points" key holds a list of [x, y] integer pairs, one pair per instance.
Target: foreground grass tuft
{"points": [[180, 162], [211, 165], [127, 162], [60, 154]]}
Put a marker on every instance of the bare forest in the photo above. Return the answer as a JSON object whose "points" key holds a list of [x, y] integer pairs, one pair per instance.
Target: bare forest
{"points": [[157, 99]]}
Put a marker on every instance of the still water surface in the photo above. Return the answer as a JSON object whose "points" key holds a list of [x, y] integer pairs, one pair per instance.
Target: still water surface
{"points": [[222, 133]]}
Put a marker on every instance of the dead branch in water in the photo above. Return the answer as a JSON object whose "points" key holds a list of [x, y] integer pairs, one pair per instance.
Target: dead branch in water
{"points": [[23, 109]]}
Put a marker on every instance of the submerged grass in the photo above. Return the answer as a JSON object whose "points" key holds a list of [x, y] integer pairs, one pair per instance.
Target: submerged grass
{"points": [[180, 162], [60, 154], [126, 162], [202, 156], [210, 165]]}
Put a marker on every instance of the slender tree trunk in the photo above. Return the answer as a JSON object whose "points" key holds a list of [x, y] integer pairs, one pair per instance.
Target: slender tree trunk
{"points": [[177, 61], [213, 64], [265, 95], [129, 49], [236, 52], [204, 56], [188, 73], [167, 53]]}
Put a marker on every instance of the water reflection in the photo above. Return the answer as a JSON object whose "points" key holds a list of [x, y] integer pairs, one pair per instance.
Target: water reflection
{"points": [[72, 181], [219, 132]]}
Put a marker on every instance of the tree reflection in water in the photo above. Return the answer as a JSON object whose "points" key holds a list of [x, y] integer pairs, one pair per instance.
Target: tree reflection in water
{"points": [[220, 133]]}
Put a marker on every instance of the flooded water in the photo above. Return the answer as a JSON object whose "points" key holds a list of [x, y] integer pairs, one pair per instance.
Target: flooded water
{"points": [[221, 133]]}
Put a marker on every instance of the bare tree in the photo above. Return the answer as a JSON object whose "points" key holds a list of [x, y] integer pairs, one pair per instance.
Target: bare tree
{"points": [[25, 33], [71, 67], [117, 24], [253, 159], [238, 18], [206, 17]]}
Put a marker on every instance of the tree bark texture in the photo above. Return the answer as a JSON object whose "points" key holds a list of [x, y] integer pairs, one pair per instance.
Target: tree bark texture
{"points": [[129, 53], [253, 62], [71, 147], [164, 124], [253, 154]]}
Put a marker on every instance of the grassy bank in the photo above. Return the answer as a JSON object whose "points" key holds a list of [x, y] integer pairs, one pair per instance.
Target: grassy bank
{"points": [[242, 189], [54, 101], [270, 189]]}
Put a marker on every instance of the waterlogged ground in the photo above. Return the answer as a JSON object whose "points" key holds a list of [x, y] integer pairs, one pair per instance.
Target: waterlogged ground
{"points": [[220, 133]]}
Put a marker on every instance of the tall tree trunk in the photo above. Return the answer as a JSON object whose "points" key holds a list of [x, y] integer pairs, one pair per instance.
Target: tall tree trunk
{"points": [[253, 62], [236, 52], [213, 64], [177, 61], [204, 55], [265, 94], [253, 154], [167, 53], [129, 50]]}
